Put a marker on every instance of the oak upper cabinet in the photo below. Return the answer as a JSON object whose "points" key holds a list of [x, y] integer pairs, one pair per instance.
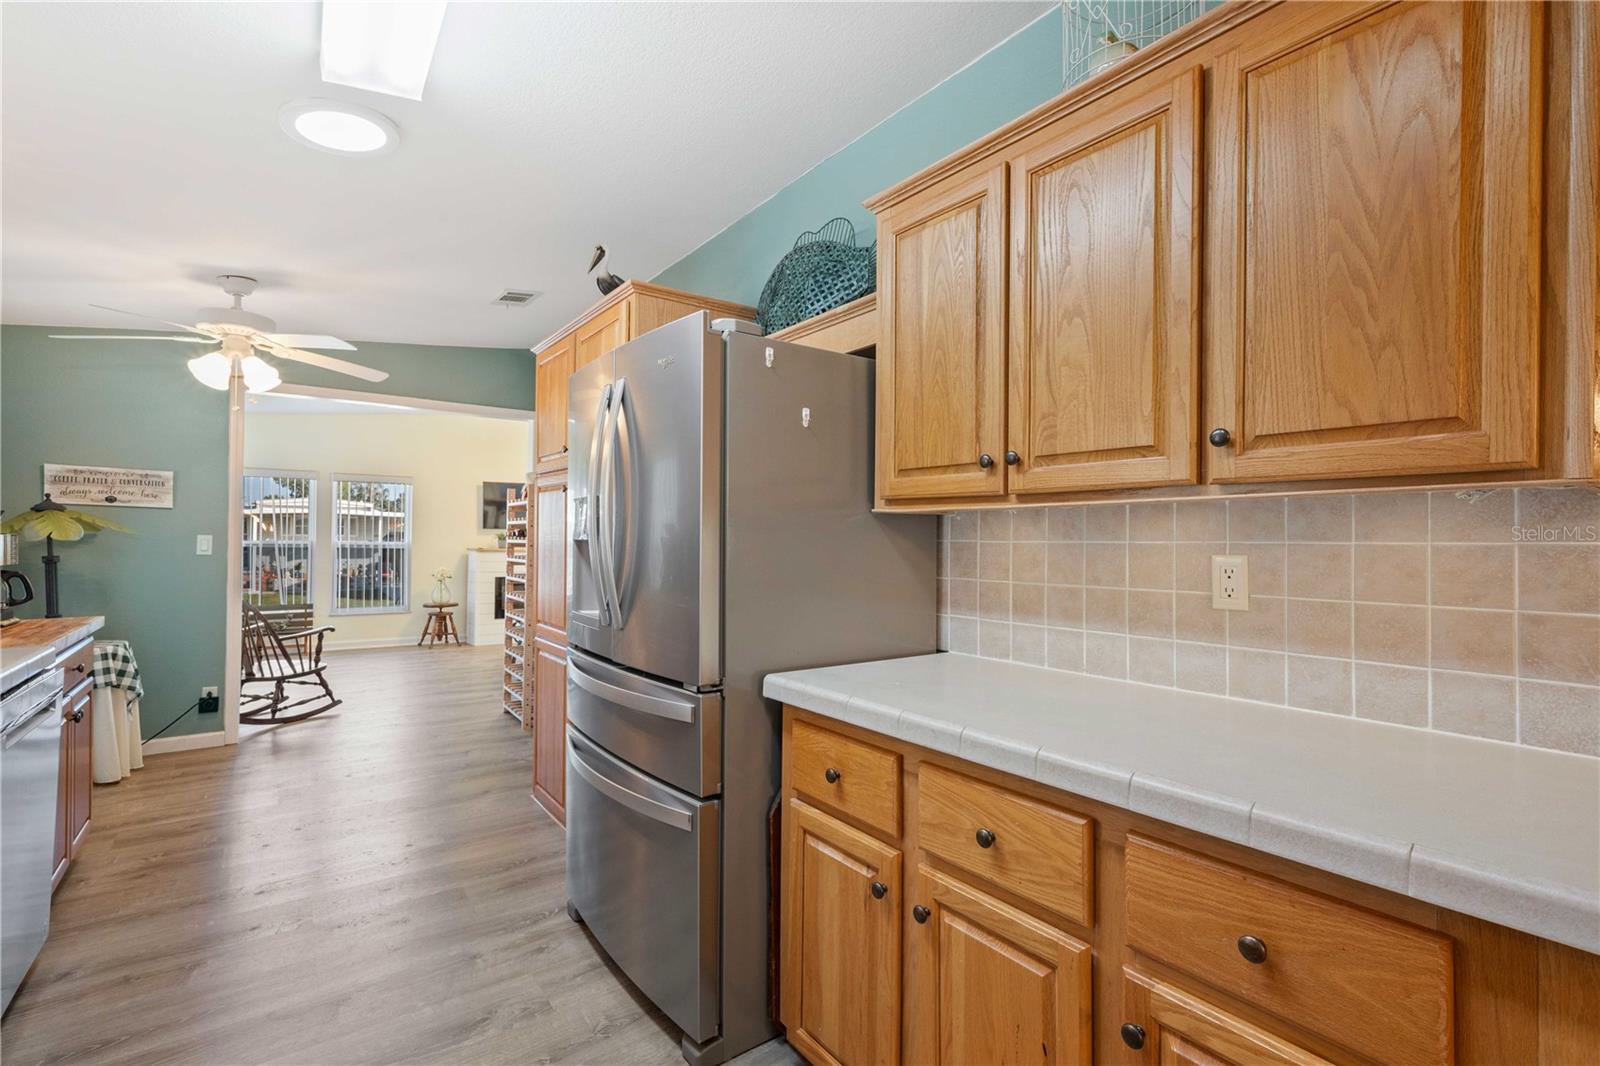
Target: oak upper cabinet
{"points": [[603, 333], [553, 369], [842, 912], [1171, 1027], [941, 359], [1104, 338], [990, 983], [1375, 207]]}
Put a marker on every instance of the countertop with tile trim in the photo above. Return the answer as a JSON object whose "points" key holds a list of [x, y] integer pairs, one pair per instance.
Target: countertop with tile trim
{"points": [[1505, 833]]}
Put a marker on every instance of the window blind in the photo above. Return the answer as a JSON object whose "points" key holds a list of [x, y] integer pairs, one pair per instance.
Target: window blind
{"points": [[371, 545], [279, 516]]}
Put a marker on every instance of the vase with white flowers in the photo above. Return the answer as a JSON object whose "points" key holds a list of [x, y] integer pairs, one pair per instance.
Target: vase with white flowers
{"points": [[441, 585]]}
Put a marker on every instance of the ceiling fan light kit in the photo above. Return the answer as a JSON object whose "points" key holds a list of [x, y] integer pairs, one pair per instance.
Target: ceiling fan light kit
{"points": [[240, 332]]}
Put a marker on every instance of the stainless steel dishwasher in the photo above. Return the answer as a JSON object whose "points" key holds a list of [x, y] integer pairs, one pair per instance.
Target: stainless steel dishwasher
{"points": [[30, 764]]}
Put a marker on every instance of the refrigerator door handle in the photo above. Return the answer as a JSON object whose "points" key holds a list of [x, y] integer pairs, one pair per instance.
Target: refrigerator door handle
{"points": [[676, 710], [608, 523], [658, 812], [592, 518], [628, 471]]}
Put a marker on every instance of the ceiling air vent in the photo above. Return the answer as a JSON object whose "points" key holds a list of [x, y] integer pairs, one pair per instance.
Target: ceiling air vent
{"points": [[516, 297]]}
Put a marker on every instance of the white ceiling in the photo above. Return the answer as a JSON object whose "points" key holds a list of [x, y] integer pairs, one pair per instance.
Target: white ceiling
{"points": [[142, 156]]}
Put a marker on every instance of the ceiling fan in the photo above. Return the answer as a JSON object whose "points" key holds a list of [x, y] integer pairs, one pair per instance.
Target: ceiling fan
{"points": [[240, 333]]}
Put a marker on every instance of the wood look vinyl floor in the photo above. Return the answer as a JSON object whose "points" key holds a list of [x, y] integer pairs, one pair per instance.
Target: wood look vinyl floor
{"points": [[371, 886]]}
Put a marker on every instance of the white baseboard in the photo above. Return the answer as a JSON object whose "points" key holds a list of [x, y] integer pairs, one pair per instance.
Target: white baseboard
{"points": [[369, 642], [186, 742]]}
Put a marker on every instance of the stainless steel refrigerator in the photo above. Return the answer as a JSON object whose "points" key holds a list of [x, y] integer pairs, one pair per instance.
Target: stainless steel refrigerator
{"points": [[721, 525]]}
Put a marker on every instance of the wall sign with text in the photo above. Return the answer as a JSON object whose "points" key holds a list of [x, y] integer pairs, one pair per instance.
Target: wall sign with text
{"points": [[108, 486]]}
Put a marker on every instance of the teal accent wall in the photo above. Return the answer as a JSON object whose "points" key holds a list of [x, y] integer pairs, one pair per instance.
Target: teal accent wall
{"points": [[494, 377], [134, 404], [1013, 78]]}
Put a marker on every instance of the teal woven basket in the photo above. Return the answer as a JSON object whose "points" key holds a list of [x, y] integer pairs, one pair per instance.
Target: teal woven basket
{"points": [[824, 269]]}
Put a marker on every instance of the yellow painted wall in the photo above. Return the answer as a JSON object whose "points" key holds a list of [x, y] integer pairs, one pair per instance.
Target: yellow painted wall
{"points": [[447, 457]]}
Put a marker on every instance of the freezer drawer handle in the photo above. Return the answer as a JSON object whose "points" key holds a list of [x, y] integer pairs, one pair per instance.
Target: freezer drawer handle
{"points": [[630, 799], [676, 710]]}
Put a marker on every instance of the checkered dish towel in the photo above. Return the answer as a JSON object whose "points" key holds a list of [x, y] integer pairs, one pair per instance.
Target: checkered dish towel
{"points": [[115, 667]]}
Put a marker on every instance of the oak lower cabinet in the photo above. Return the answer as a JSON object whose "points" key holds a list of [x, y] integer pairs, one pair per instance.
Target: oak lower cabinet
{"points": [[842, 910], [1290, 243], [1174, 1028], [991, 983], [550, 727], [938, 912], [75, 791]]}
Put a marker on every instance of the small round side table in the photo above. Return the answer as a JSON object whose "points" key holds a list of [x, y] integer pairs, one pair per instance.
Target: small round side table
{"points": [[440, 625]]}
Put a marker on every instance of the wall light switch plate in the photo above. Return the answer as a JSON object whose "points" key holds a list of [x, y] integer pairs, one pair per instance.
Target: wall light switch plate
{"points": [[202, 543], [1230, 582]]}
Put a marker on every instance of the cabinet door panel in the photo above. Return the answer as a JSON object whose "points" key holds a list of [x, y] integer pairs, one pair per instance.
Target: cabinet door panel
{"points": [[550, 728], [1104, 339], [941, 363], [601, 335], [81, 732], [841, 944], [1377, 220], [550, 404], [1180, 1030], [550, 552], [992, 984], [63, 841]]}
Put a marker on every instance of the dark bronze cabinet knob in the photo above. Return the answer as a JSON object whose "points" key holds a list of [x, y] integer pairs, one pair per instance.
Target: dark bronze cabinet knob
{"points": [[1220, 438], [986, 460], [1253, 950], [77, 715], [879, 890], [832, 775], [1133, 1035], [1012, 458], [985, 838], [78, 669], [920, 913]]}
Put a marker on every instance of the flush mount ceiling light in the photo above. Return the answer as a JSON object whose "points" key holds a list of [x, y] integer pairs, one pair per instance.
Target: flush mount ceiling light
{"points": [[380, 47], [337, 127]]}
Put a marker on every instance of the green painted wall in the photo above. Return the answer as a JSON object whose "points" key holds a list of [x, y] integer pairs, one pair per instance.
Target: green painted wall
{"points": [[1011, 79], [495, 377], [135, 405]]}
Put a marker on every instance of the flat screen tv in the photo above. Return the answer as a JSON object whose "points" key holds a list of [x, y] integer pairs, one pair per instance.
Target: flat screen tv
{"points": [[492, 505]]}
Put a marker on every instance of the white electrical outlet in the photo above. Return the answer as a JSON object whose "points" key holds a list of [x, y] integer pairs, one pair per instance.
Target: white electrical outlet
{"points": [[208, 690], [1230, 582]]}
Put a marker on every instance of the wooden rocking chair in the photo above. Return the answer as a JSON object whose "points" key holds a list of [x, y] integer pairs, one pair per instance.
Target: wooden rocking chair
{"points": [[281, 659]]}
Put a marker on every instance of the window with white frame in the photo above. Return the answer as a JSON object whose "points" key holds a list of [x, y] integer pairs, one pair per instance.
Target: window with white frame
{"points": [[279, 516], [371, 545]]}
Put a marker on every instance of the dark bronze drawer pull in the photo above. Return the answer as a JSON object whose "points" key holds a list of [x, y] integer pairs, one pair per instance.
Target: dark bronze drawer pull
{"points": [[985, 838], [1253, 949], [832, 775]]}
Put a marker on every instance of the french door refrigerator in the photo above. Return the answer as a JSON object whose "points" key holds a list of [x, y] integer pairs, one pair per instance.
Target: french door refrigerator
{"points": [[721, 525]]}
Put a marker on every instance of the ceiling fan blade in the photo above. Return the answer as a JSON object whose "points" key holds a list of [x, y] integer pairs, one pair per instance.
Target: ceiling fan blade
{"points": [[310, 340], [151, 318], [328, 362], [126, 337]]}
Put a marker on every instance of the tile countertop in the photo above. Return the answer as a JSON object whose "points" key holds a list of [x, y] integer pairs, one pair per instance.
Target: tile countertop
{"points": [[48, 635], [1505, 833]]}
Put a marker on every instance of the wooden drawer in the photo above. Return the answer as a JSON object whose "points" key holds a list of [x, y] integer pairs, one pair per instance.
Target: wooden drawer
{"points": [[79, 666], [1040, 852], [846, 776], [1376, 985]]}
